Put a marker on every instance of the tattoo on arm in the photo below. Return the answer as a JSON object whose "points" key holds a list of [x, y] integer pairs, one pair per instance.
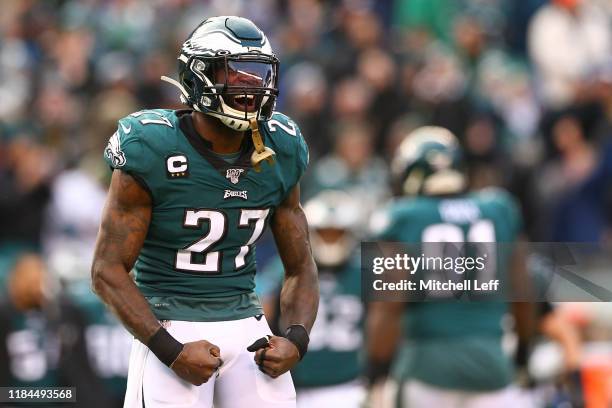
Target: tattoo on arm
{"points": [[300, 293], [124, 226]]}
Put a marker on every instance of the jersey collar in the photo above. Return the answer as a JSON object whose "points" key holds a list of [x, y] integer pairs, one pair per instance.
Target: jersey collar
{"points": [[203, 147]]}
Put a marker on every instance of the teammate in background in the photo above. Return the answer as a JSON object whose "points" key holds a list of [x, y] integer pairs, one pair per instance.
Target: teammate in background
{"points": [[449, 354], [42, 340], [329, 374], [29, 350], [191, 193]]}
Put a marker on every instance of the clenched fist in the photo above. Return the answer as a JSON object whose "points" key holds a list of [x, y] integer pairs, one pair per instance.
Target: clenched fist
{"points": [[275, 355], [198, 361]]}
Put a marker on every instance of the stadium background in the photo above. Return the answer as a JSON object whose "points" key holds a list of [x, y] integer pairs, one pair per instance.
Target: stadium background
{"points": [[526, 85]]}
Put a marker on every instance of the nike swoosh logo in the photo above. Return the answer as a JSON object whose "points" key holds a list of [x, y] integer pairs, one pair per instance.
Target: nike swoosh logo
{"points": [[127, 129]]}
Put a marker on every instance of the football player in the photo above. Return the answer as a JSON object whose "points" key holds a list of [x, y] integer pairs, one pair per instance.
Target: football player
{"points": [[329, 376], [42, 335], [191, 193], [447, 353]]}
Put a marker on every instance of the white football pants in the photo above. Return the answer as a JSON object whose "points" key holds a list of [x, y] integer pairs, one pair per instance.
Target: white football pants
{"points": [[419, 394], [348, 395], [238, 384]]}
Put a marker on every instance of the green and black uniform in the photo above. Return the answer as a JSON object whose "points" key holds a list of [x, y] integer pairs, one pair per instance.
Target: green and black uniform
{"points": [[455, 345], [198, 258]]}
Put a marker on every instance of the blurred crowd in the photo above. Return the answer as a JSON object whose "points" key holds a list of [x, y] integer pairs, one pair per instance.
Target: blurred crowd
{"points": [[525, 85]]}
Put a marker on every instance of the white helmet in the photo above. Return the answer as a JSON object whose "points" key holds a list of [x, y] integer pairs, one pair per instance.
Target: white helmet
{"points": [[333, 217]]}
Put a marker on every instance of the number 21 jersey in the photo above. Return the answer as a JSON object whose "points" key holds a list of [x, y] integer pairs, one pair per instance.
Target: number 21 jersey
{"points": [[453, 344]]}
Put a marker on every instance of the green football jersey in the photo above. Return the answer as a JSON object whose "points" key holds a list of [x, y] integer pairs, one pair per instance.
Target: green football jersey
{"points": [[336, 339], [455, 345], [198, 258]]}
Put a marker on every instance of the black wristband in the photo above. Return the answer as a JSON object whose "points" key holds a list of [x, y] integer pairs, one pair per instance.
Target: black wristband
{"points": [[298, 335], [164, 346], [376, 370]]}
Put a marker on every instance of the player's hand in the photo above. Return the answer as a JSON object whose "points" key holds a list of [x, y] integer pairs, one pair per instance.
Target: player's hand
{"points": [[198, 361], [275, 356]]}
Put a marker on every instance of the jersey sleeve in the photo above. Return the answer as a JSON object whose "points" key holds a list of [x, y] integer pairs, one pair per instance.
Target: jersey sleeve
{"points": [[508, 208], [126, 151], [397, 221], [302, 154], [290, 147], [137, 149], [383, 226]]}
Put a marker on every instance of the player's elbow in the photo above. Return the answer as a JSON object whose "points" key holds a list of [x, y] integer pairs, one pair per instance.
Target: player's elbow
{"points": [[99, 277]]}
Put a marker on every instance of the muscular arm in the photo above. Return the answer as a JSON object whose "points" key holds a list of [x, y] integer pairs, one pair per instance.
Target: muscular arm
{"points": [[383, 330], [383, 334], [125, 222], [299, 297]]}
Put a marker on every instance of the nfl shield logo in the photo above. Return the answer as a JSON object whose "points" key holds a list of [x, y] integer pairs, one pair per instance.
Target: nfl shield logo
{"points": [[234, 175]]}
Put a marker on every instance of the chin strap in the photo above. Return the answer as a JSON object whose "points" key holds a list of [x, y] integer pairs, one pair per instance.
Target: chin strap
{"points": [[262, 152]]}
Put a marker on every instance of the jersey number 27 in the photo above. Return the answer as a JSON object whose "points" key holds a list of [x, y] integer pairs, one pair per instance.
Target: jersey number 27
{"points": [[217, 230]]}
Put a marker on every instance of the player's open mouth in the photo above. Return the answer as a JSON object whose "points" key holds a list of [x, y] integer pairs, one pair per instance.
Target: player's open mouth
{"points": [[245, 102]]}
